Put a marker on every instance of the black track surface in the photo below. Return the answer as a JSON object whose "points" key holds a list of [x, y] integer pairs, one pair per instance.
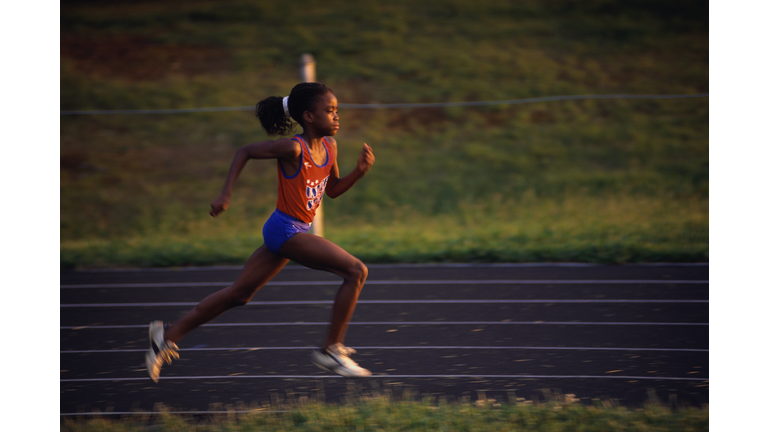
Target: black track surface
{"points": [[594, 332]]}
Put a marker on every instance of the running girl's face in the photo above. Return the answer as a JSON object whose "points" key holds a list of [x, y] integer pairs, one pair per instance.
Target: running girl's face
{"points": [[325, 117]]}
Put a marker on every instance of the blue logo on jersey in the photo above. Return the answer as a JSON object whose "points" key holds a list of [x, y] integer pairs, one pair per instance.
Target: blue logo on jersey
{"points": [[314, 192]]}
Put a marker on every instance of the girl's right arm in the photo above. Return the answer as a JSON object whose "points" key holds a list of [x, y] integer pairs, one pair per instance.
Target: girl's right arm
{"points": [[285, 149]]}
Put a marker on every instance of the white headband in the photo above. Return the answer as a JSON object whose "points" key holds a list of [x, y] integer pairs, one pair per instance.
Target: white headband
{"points": [[285, 107]]}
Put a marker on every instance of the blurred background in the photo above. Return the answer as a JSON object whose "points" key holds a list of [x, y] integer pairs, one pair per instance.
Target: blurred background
{"points": [[608, 180]]}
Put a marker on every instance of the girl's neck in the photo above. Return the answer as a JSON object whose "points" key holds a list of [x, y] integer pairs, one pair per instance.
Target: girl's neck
{"points": [[311, 139]]}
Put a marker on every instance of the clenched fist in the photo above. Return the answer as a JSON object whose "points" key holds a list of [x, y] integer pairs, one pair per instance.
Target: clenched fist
{"points": [[366, 159], [218, 206]]}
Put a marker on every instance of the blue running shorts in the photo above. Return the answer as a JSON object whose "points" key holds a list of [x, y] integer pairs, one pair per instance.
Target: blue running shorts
{"points": [[279, 228]]}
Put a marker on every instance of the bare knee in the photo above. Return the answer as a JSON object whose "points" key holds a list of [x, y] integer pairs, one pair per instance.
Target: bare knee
{"points": [[239, 297], [242, 298], [358, 273], [239, 301]]}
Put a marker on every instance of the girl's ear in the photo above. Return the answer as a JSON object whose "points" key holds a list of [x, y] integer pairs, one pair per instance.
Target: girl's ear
{"points": [[308, 116]]}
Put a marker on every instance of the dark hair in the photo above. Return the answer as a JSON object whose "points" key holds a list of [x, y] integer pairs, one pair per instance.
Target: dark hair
{"points": [[302, 98]]}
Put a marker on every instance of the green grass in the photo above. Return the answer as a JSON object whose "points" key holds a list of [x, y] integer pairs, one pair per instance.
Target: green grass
{"points": [[382, 414], [594, 181], [533, 230]]}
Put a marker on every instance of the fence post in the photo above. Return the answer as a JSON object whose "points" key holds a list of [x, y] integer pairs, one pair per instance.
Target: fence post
{"points": [[308, 75]]}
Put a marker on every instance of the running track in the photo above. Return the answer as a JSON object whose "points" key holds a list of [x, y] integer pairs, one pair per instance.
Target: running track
{"points": [[454, 332]]}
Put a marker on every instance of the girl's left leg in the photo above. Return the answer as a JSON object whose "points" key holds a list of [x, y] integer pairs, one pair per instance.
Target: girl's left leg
{"points": [[321, 254], [318, 253]]}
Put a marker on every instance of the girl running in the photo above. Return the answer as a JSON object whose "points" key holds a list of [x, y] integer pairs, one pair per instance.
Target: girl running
{"points": [[306, 168]]}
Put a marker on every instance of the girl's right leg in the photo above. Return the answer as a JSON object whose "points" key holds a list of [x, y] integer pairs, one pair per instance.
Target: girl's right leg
{"points": [[261, 267]]}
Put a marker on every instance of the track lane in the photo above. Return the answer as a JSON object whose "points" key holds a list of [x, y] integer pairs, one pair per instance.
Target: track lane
{"points": [[679, 362]]}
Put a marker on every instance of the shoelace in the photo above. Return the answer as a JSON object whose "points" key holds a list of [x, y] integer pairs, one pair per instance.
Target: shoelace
{"points": [[345, 351], [169, 352]]}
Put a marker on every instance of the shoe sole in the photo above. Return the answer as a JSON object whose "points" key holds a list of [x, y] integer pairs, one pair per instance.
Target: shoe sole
{"points": [[149, 358], [155, 352], [322, 367], [150, 366]]}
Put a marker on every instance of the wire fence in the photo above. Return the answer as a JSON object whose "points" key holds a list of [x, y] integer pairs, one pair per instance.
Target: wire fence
{"points": [[398, 105]]}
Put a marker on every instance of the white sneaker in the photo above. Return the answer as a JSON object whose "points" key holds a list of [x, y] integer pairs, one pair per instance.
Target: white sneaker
{"points": [[160, 351], [336, 359]]}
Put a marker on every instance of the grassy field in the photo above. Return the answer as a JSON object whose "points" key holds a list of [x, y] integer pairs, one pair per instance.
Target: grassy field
{"points": [[608, 181], [381, 414]]}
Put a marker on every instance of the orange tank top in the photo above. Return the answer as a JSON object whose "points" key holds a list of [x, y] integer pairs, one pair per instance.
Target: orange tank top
{"points": [[300, 195]]}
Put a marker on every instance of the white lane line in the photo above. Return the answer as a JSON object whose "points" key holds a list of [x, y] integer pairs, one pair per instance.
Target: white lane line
{"points": [[290, 267], [394, 323], [227, 377], [395, 282], [417, 347], [328, 302]]}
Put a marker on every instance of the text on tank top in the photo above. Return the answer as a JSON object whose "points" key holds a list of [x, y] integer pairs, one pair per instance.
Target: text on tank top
{"points": [[301, 194]]}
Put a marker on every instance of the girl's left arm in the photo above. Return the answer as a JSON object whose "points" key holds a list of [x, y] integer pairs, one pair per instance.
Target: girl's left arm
{"points": [[337, 186]]}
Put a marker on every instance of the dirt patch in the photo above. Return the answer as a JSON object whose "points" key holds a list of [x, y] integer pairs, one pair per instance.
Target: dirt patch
{"points": [[413, 119], [141, 59]]}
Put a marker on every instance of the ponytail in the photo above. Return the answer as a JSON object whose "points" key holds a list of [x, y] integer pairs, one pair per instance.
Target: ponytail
{"points": [[272, 117], [271, 111]]}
